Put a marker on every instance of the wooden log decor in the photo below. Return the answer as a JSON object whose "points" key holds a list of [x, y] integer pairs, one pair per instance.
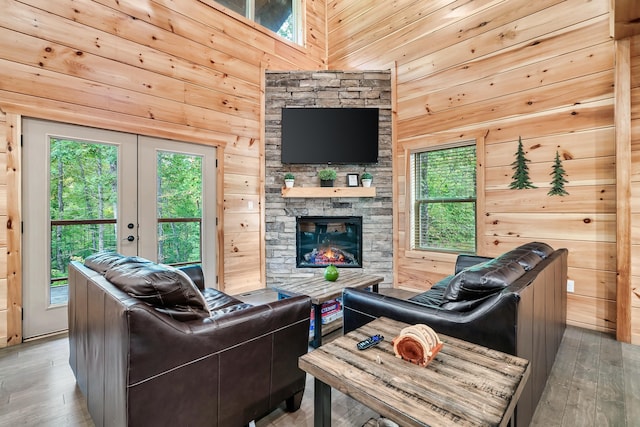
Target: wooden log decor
{"points": [[418, 344]]}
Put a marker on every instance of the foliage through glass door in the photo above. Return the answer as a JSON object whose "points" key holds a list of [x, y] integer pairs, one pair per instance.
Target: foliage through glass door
{"points": [[83, 205], [179, 208]]}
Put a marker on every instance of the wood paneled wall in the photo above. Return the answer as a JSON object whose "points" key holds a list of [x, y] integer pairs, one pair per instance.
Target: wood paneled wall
{"points": [[496, 71], [179, 69], [485, 69], [4, 290], [635, 189]]}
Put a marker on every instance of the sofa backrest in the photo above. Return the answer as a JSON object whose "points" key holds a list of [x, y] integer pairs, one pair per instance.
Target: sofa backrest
{"points": [[541, 322], [480, 278], [540, 302], [167, 289]]}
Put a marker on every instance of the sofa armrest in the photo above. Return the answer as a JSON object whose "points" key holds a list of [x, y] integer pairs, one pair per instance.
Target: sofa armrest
{"points": [[164, 343], [492, 324], [195, 274]]}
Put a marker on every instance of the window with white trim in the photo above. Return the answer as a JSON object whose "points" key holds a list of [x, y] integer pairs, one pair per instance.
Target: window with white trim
{"points": [[443, 190], [280, 16]]}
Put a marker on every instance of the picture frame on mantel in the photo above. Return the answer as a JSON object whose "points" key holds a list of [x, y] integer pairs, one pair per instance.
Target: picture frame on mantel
{"points": [[352, 180]]}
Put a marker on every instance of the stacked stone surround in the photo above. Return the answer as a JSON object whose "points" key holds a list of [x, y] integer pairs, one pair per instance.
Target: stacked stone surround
{"points": [[330, 89]]}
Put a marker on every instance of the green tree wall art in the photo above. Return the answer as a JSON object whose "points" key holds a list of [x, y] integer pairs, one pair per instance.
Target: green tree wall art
{"points": [[558, 181], [521, 170]]}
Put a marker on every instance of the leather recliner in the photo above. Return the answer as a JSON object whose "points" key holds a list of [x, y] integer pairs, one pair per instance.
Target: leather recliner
{"points": [[514, 303], [138, 364]]}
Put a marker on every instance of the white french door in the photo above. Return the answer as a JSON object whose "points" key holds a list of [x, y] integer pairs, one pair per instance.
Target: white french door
{"points": [[86, 190], [177, 198]]}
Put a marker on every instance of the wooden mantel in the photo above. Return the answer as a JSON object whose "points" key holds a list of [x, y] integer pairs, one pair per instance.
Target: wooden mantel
{"points": [[320, 192]]}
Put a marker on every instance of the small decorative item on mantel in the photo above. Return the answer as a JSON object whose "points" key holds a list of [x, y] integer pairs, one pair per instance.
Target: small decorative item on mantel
{"points": [[327, 176], [366, 179], [289, 179], [418, 344]]}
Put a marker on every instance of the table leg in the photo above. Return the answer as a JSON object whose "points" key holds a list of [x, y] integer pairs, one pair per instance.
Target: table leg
{"points": [[321, 404], [317, 327], [375, 288]]}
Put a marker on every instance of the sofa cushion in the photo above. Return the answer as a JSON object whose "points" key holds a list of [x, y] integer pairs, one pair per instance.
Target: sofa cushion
{"points": [[434, 296], [167, 289], [464, 306], [483, 279]]}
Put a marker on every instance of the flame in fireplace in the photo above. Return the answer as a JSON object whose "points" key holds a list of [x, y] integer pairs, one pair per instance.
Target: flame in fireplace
{"points": [[330, 255]]}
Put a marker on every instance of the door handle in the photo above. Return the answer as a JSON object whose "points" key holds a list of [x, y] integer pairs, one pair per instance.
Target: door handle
{"points": [[131, 238]]}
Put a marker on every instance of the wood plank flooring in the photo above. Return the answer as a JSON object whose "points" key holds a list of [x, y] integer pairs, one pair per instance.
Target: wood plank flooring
{"points": [[595, 381]]}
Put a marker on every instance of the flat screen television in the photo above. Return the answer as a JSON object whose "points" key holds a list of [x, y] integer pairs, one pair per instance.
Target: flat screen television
{"points": [[329, 135]]}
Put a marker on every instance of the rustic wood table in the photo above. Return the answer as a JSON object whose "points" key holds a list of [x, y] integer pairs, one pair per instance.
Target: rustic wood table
{"points": [[466, 384], [321, 290]]}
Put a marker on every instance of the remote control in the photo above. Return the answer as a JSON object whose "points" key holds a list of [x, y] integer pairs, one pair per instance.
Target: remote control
{"points": [[370, 342]]}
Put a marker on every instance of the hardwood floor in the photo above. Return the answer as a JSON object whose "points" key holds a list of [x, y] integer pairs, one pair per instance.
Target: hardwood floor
{"points": [[595, 381]]}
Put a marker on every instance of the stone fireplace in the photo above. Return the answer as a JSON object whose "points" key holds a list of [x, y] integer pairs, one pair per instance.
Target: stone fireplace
{"points": [[333, 89], [325, 240]]}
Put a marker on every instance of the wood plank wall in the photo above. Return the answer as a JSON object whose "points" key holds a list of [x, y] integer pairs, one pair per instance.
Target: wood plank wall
{"points": [[494, 71], [487, 69], [635, 189], [179, 69], [4, 290]]}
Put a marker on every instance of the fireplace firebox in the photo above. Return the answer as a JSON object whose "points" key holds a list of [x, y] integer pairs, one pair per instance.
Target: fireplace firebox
{"points": [[325, 240]]}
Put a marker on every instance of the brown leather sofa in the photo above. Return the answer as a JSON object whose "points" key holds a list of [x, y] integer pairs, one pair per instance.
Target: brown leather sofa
{"points": [[515, 303], [165, 360]]}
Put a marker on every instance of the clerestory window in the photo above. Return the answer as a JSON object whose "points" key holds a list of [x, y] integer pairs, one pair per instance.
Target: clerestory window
{"points": [[444, 198], [280, 16]]}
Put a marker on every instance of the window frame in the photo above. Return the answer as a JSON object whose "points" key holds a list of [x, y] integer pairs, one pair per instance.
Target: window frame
{"points": [[442, 142], [298, 8]]}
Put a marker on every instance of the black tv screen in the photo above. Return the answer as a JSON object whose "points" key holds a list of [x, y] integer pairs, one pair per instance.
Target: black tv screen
{"points": [[329, 135]]}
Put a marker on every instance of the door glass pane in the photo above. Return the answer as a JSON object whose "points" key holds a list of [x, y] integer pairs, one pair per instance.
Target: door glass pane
{"points": [[83, 204], [179, 212]]}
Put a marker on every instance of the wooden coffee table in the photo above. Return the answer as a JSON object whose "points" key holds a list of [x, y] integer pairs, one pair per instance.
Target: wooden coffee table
{"points": [[321, 291], [466, 384]]}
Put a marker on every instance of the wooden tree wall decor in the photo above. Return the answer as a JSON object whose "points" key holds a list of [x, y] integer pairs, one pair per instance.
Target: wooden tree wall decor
{"points": [[521, 175], [558, 181]]}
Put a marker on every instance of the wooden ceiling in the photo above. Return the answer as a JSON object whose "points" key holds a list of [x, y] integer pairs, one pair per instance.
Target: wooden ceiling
{"points": [[625, 18]]}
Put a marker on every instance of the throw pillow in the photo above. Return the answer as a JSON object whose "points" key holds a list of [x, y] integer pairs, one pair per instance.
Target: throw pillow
{"points": [[168, 289], [483, 279]]}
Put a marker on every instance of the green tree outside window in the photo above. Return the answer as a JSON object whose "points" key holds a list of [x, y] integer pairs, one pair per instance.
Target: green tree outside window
{"points": [[444, 212]]}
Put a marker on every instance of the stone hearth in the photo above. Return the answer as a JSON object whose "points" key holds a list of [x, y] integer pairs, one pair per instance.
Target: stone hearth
{"points": [[331, 89]]}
